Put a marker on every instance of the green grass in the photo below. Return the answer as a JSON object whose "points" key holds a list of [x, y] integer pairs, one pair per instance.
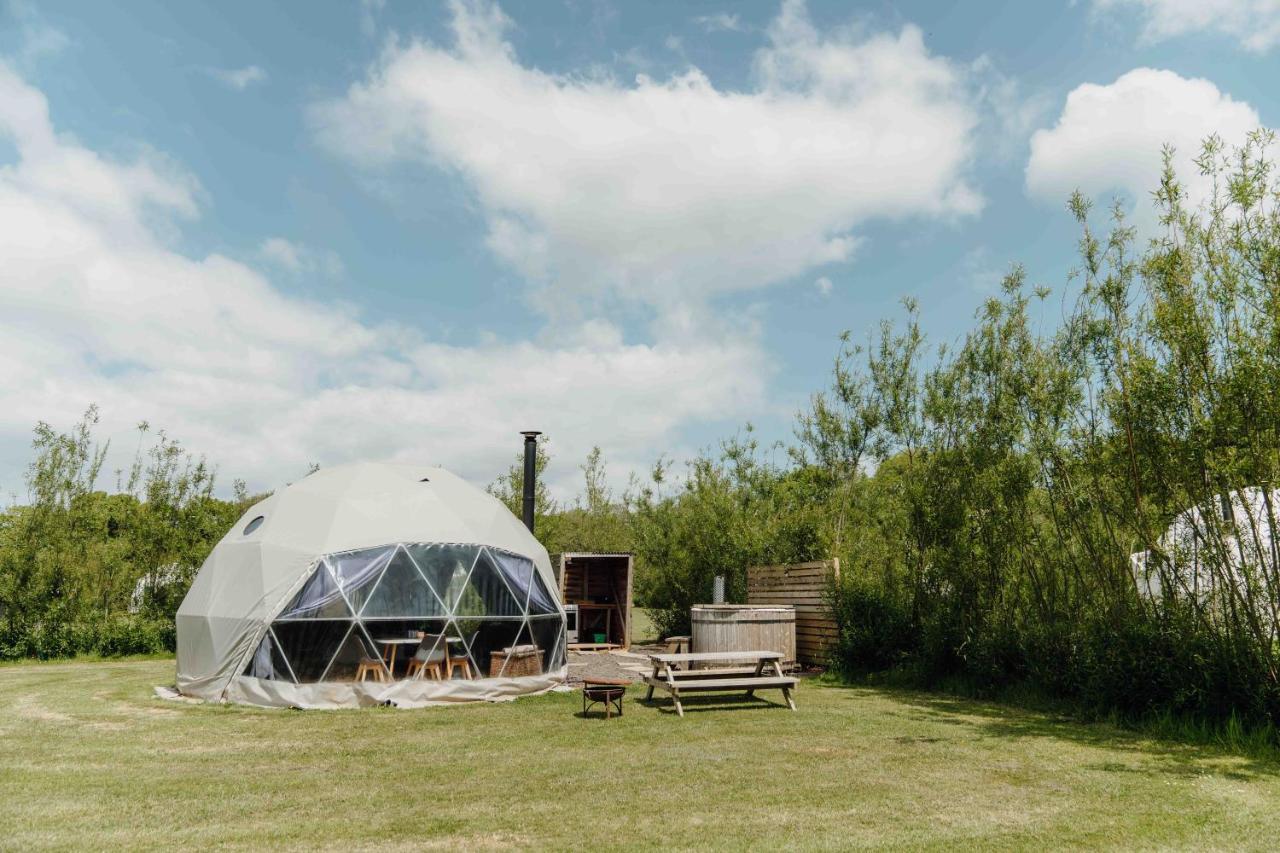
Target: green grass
{"points": [[89, 760]]}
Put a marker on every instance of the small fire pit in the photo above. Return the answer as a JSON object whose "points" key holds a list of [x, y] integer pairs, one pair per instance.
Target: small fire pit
{"points": [[605, 691]]}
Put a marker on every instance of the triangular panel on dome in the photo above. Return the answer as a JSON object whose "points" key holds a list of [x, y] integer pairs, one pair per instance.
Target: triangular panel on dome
{"points": [[516, 570], [527, 583], [515, 659], [319, 598], [308, 646], [459, 639], [484, 637], [486, 593], [402, 593], [445, 566], [356, 647], [268, 661], [540, 599], [358, 572], [546, 633]]}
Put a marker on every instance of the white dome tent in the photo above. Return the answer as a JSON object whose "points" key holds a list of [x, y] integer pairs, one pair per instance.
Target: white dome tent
{"points": [[1226, 548], [316, 586]]}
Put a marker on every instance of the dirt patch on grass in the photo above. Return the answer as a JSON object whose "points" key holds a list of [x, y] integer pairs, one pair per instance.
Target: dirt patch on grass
{"points": [[27, 708]]}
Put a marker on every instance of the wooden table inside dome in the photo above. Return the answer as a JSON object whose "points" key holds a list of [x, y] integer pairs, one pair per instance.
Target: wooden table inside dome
{"points": [[389, 647], [391, 644], [759, 670]]}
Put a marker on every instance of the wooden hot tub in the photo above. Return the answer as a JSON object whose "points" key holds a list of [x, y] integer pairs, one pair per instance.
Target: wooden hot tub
{"points": [[745, 628]]}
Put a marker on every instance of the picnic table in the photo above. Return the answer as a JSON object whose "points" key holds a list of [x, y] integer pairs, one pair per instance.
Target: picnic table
{"points": [[761, 671]]}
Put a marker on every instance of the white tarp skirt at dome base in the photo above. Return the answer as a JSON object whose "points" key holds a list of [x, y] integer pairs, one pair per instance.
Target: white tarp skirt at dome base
{"points": [[373, 584]]}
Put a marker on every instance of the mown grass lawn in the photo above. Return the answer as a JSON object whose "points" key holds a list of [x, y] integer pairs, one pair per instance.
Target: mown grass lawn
{"points": [[89, 760]]}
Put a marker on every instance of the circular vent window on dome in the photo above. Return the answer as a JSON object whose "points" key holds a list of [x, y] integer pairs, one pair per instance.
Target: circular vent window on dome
{"points": [[254, 525]]}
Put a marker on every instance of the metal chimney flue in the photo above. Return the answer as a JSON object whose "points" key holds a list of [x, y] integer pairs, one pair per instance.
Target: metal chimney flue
{"points": [[530, 474]]}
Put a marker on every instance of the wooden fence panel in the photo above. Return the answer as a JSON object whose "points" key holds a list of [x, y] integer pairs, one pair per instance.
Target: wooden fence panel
{"points": [[803, 586]]}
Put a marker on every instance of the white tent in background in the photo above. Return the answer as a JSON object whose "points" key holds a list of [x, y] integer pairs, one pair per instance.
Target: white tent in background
{"points": [[151, 582], [316, 586], [1234, 535]]}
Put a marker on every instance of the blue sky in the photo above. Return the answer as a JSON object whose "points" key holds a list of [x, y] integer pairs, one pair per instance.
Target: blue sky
{"points": [[324, 232]]}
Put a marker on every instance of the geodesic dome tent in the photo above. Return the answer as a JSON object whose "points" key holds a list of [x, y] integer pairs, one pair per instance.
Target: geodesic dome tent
{"points": [[1228, 547], [321, 595]]}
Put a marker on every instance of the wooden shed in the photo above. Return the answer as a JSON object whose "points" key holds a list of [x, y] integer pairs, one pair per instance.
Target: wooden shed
{"points": [[599, 587]]}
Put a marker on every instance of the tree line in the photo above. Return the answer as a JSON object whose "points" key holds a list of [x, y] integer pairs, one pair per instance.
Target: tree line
{"points": [[90, 569]]}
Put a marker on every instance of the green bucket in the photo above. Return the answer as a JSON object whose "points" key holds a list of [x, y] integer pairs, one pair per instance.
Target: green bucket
{"points": [[599, 638]]}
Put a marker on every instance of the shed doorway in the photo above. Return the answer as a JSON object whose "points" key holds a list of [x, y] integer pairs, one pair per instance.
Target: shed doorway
{"points": [[596, 588]]}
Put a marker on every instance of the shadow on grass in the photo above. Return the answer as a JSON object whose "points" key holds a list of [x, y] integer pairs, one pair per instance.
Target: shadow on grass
{"points": [[597, 714], [993, 720], [695, 704]]}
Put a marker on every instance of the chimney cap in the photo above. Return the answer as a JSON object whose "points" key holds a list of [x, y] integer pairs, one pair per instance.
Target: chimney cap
{"points": [[530, 433]]}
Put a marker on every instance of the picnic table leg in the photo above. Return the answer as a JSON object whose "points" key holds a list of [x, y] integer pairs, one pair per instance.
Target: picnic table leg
{"points": [[751, 693], [786, 691], [648, 697], [675, 692]]}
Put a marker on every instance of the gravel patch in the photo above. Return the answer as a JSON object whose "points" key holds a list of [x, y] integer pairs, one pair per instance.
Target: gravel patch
{"points": [[612, 664]]}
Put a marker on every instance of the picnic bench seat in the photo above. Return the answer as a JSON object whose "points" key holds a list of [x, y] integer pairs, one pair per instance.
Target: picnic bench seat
{"points": [[766, 673]]}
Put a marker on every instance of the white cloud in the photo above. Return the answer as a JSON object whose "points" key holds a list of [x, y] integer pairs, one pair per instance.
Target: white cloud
{"points": [[300, 259], [96, 306], [1109, 138], [823, 286], [719, 22], [119, 196], [238, 78], [667, 193], [1254, 23]]}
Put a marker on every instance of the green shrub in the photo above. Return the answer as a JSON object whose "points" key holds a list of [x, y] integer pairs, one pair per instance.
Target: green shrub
{"points": [[116, 636], [875, 629], [130, 635]]}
